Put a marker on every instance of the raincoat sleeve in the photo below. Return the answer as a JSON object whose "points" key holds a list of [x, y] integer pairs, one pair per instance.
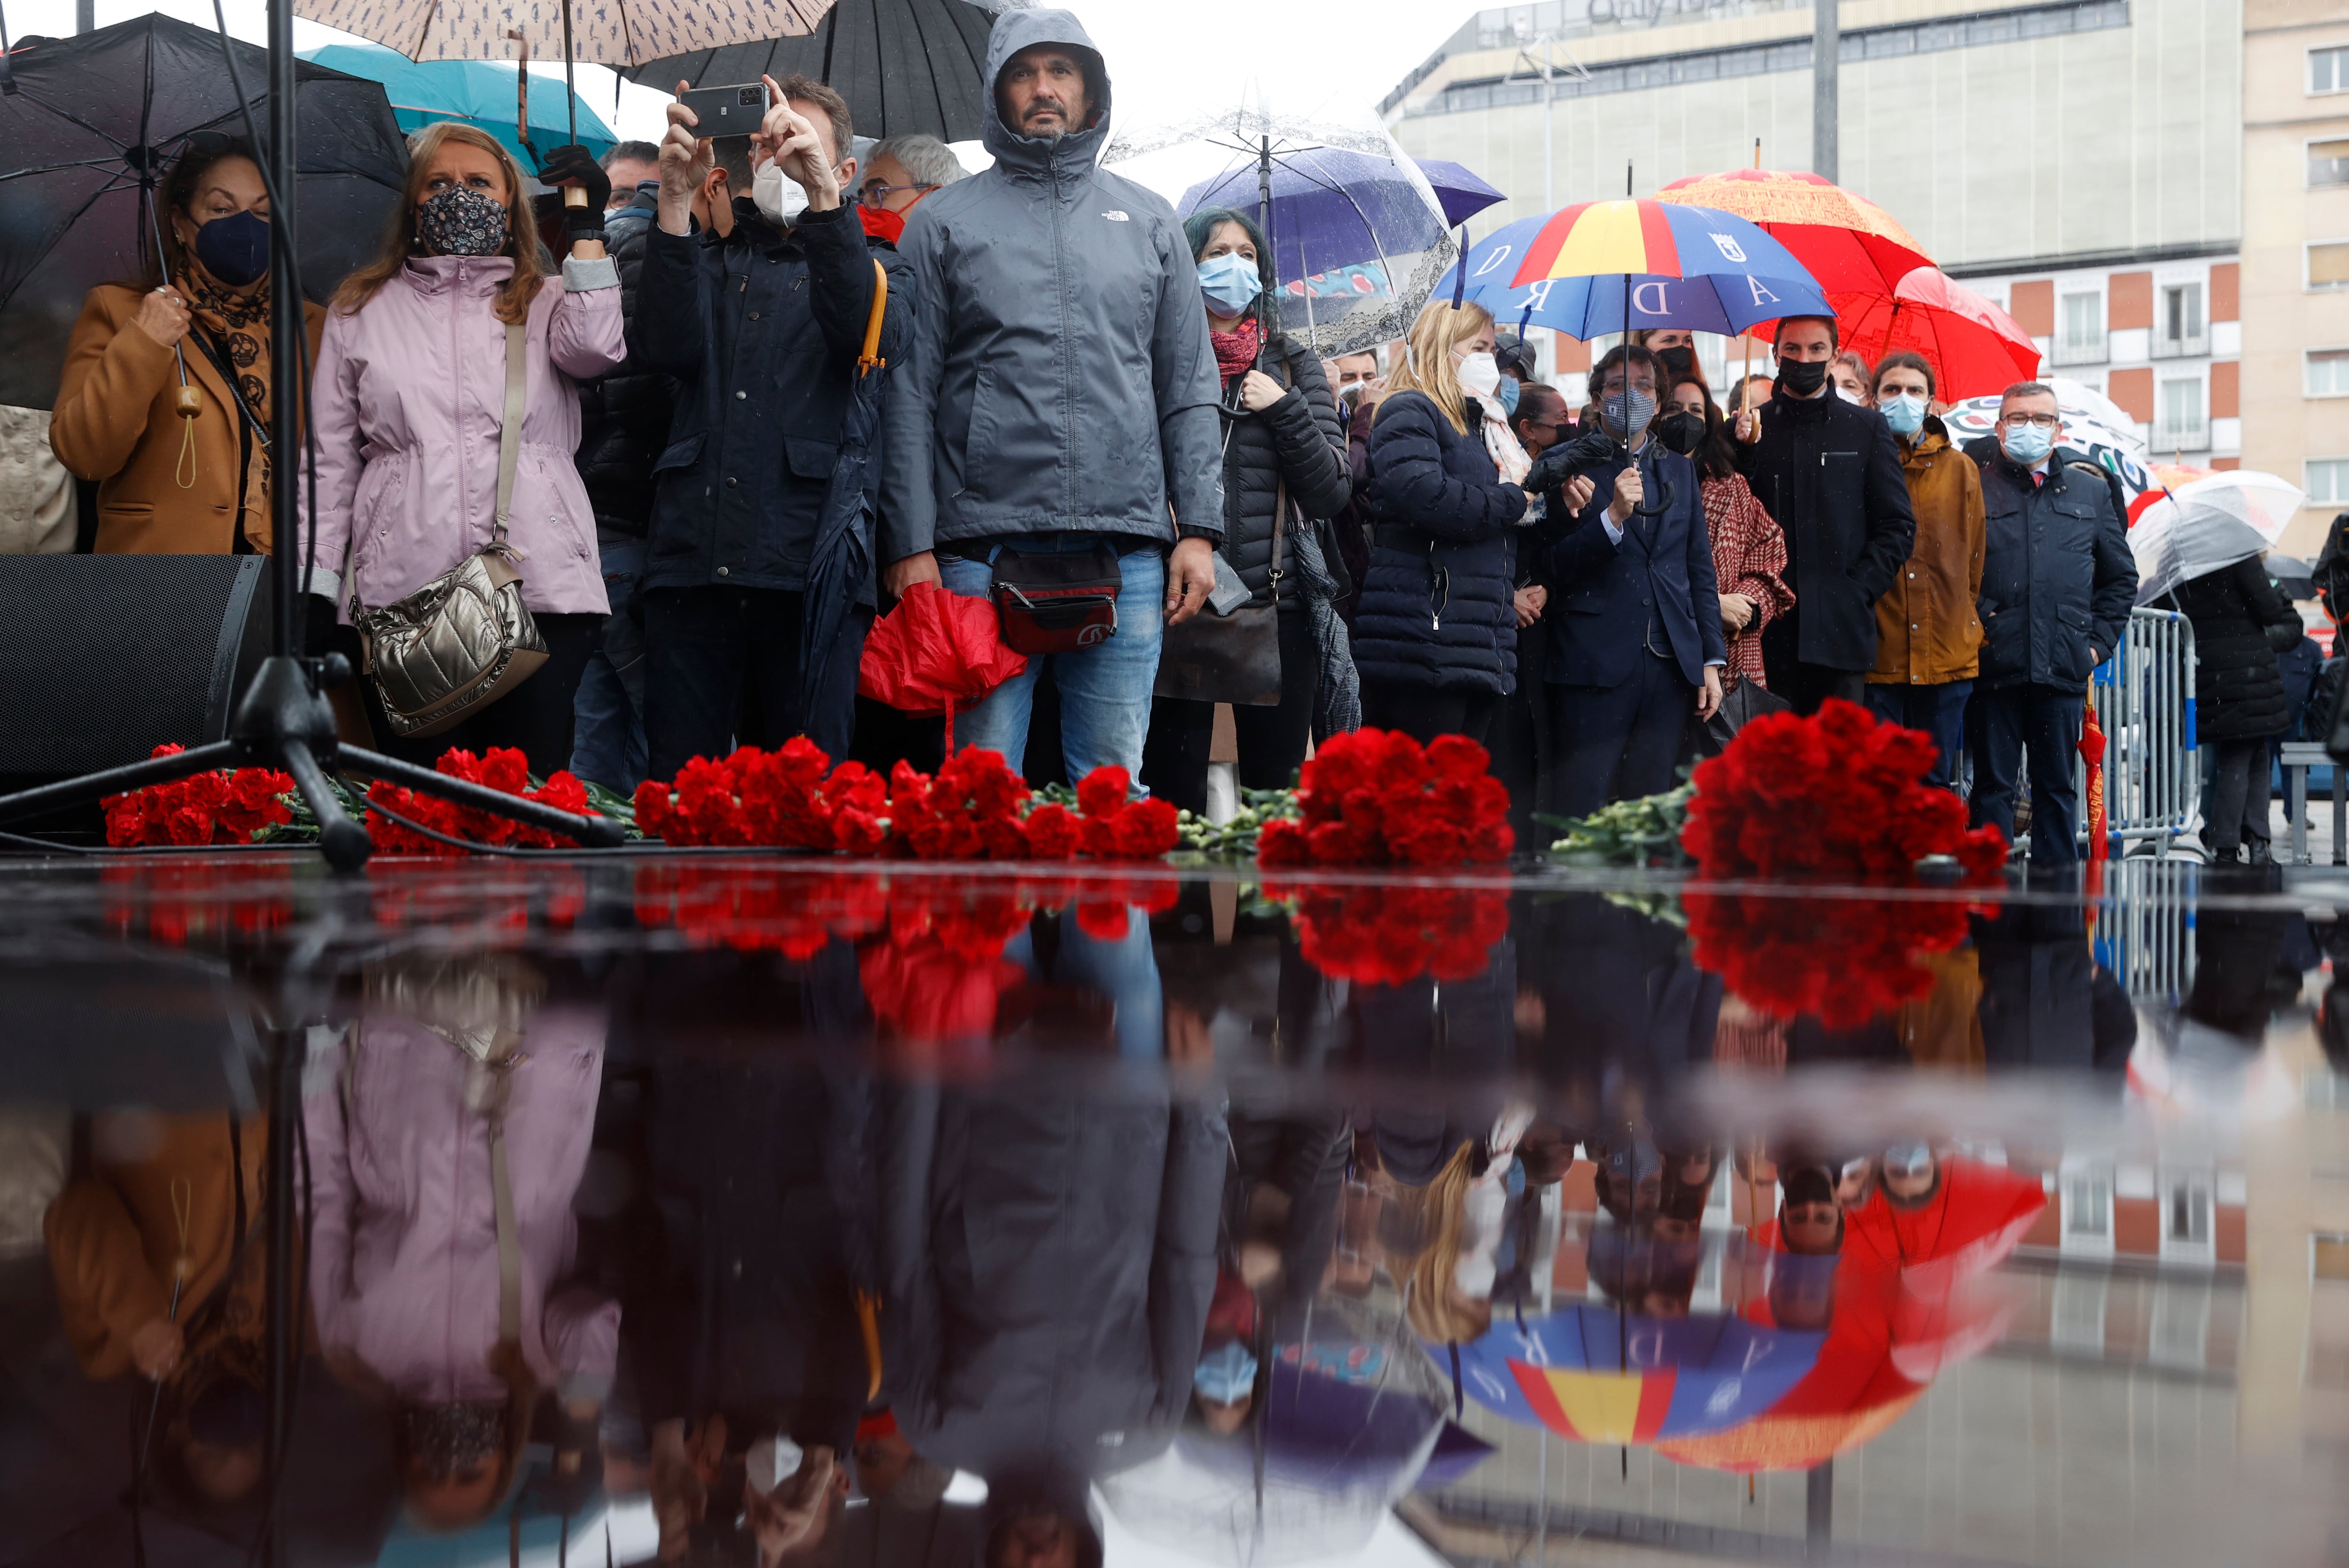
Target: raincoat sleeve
{"points": [[910, 495], [839, 284], [1312, 442], [669, 330], [1183, 1264], [1182, 370], [2115, 593], [586, 336], [106, 1292], [1891, 519], [335, 385], [1974, 517], [912, 1332], [111, 378]]}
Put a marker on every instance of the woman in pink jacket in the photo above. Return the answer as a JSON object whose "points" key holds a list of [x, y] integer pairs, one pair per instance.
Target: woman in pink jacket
{"points": [[411, 390]]}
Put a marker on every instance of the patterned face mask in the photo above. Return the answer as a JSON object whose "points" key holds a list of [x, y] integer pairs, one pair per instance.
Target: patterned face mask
{"points": [[459, 222]]}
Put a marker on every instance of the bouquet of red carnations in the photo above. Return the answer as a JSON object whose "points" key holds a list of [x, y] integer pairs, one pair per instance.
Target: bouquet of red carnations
{"points": [[1376, 797], [210, 808]]}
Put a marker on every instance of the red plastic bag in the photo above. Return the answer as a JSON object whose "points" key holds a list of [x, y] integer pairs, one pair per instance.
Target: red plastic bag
{"points": [[935, 651]]}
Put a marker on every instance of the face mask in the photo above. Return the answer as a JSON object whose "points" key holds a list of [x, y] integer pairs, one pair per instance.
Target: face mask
{"points": [[234, 249], [1849, 396], [1230, 282], [2026, 444], [780, 201], [1226, 1374], [460, 221], [1802, 377], [1479, 374], [1681, 431], [1905, 413], [1680, 359], [1624, 422], [1509, 392]]}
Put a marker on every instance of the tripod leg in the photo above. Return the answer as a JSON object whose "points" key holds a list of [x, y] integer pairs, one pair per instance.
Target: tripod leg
{"points": [[344, 842], [595, 832], [120, 780]]}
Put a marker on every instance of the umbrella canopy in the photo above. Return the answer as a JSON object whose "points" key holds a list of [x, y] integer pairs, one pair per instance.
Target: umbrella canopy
{"points": [[1975, 1216], [605, 33], [2294, 576], [2209, 525], [1845, 242], [1579, 270], [903, 65], [1974, 347], [94, 121], [1459, 190], [1358, 237], [2093, 425], [477, 92], [934, 652]]}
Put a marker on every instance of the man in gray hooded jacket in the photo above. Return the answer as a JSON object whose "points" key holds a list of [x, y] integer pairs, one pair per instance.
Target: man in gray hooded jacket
{"points": [[1062, 386]]}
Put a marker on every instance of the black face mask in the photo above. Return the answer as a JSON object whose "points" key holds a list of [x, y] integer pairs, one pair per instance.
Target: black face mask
{"points": [[1680, 359], [1803, 377], [1681, 431]]}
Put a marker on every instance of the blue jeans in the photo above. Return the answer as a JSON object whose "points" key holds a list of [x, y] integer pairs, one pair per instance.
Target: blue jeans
{"points": [[1124, 970], [607, 717], [1939, 710], [1104, 689]]}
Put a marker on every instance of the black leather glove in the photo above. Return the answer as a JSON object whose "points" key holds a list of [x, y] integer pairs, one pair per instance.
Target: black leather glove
{"points": [[1562, 463], [575, 165]]}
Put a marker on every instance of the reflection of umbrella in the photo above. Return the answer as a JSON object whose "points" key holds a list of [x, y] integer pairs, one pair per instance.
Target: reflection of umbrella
{"points": [[1976, 1214], [1845, 242], [1462, 192], [1973, 346], [480, 93], [905, 65], [1599, 1375], [934, 651], [72, 208], [2209, 525]]}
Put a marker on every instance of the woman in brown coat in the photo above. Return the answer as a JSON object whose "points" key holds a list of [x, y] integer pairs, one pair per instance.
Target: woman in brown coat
{"points": [[1928, 633], [168, 485]]}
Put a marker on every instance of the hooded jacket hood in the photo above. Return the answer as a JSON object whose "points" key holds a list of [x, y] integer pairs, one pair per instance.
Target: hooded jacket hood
{"points": [[1034, 156]]}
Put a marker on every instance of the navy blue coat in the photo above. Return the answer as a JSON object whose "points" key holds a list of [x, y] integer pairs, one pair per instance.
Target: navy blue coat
{"points": [[1438, 614], [2058, 577], [1604, 590]]}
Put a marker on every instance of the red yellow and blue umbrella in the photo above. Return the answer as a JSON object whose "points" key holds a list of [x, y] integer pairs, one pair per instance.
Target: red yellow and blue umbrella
{"points": [[1587, 270]]}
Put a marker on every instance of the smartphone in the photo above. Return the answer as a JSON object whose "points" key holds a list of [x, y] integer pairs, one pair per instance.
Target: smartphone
{"points": [[725, 111]]}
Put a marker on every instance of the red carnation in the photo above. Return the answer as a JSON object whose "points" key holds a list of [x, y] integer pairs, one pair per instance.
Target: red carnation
{"points": [[1282, 843], [1054, 833]]}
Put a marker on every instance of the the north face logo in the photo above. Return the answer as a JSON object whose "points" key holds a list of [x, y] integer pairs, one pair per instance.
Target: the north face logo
{"points": [[1116, 217]]}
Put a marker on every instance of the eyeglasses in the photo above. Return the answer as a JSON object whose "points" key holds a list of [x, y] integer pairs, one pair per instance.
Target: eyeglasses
{"points": [[2044, 421], [877, 194]]}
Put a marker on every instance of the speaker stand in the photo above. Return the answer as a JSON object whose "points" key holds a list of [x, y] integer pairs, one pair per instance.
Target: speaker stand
{"points": [[285, 722]]}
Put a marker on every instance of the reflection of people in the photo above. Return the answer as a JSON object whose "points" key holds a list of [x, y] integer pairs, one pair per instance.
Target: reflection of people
{"points": [[1810, 1220], [420, 1294]]}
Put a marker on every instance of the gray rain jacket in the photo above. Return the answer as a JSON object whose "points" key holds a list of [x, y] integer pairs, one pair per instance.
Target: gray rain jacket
{"points": [[1059, 376]]}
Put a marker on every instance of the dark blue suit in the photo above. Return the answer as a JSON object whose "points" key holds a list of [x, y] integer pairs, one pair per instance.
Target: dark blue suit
{"points": [[1632, 625]]}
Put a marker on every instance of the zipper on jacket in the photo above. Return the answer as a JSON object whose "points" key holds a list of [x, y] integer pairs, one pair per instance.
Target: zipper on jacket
{"points": [[1068, 391]]}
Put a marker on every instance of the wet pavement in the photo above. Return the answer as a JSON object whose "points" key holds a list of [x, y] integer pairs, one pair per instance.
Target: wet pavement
{"points": [[732, 1208]]}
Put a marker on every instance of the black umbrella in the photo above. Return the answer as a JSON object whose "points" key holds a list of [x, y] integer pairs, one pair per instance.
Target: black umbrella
{"points": [[91, 125], [906, 67]]}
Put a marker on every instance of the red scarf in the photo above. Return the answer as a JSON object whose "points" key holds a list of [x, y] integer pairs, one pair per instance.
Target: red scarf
{"points": [[1236, 351]]}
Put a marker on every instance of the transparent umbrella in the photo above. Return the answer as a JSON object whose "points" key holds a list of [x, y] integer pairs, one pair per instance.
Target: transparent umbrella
{"points": [[2200, 528], [1357, 234]]}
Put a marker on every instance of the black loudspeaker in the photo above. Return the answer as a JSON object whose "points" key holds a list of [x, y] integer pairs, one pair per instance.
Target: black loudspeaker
{"points": [[104, 657]]}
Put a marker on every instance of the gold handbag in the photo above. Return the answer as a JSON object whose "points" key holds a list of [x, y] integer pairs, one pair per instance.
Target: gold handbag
{"points": [[464, 639]]}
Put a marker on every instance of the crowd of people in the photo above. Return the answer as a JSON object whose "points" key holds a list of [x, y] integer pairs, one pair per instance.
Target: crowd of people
{"points": [[1086, 399]]}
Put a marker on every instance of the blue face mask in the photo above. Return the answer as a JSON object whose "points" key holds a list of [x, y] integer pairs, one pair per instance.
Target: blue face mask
{"points": [[1226, 1374], [2026, 444], [234, 249], [1905, 413], [1230, 282], [1508, 392]]}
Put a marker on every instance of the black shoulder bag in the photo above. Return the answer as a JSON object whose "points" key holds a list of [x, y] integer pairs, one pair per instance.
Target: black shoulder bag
{"points": [[1233, 658]]}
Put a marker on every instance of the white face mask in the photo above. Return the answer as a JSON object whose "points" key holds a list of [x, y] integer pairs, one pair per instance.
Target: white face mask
{"points": [[1847, 395], [780, 201], [1480, 374]]}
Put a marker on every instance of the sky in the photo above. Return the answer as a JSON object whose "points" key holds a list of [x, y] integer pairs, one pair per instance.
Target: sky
{"points": [[1168, 61]]}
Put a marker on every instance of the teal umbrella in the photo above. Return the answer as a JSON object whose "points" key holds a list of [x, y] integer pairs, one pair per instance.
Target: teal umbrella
{"points": [[478, 92]]}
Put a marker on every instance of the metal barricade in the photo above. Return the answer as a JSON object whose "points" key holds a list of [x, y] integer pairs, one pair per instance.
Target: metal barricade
{"points": [[2144, 701]]}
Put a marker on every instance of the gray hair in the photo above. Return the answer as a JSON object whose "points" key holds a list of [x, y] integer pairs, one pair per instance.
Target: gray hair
{"points": [[929, 161]]}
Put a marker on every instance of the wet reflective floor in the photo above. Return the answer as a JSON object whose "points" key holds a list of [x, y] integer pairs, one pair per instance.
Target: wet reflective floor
{"points": [[731, 1208]]}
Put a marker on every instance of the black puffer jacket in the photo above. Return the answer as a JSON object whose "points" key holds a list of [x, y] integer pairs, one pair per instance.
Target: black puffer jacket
{"points": [[624, 416], [2241, 624], [1298, 436], [1436, 603]]}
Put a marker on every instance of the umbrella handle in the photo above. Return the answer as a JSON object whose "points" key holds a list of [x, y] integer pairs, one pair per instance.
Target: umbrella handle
{"points": [[1663, 502]]}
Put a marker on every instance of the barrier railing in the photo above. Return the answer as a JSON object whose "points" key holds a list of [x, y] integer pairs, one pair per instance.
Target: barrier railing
{"points": [[2144, 701]]}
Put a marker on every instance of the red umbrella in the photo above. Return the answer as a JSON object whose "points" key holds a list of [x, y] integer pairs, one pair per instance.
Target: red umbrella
{"points": [[935, 651], [1974, 347], [1846, 242], [1976, 1214]]}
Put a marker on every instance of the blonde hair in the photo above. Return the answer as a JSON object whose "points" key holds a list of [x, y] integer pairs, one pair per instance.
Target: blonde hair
{"points": [[1438, 1213], [399, 236], [1427, 368]]}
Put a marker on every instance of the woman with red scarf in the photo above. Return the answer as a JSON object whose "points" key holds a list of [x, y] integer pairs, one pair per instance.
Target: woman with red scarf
{"points": [[1281, 431]]}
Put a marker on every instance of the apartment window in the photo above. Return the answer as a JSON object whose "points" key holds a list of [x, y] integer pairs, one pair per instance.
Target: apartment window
{"points": [[2178, 328], [2328, 70], [2328, 372], [2080, 338], [2076, 1317], [2328, 481], [2182, 1323], [2328, 162], [2328, 265], [2180, 425], [2186, 1214], [2088, 1206]]}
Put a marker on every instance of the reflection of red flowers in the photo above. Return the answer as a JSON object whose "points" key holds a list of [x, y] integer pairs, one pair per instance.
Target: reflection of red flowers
{"points": [[1386, 935], [190, 903], [1374, 796], [1837, 794], [207, 808], [1843, 960], [503, 768]]}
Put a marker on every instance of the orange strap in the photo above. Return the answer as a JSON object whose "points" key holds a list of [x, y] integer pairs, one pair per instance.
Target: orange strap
{"points": [[868, 1308], [871, 360]]}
